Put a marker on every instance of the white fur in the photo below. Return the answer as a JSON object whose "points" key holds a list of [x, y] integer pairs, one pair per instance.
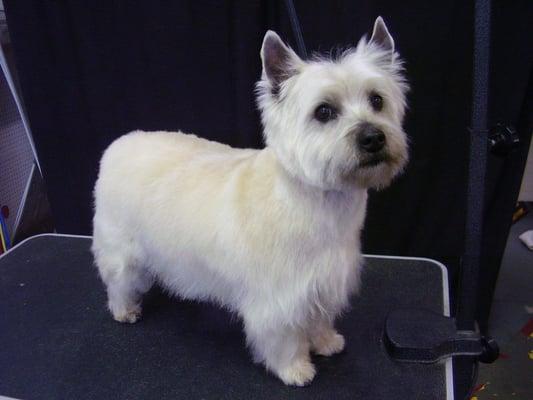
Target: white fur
{"points": [[272, 234]]}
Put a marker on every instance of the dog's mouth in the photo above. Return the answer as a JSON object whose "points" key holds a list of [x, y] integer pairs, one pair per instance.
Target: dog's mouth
{"points": [[373, 161]]}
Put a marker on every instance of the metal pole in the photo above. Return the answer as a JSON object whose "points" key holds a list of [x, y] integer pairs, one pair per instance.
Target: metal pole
{"points": [[471, 263]]}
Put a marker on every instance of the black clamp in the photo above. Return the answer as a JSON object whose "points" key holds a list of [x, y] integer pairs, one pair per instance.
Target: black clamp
{"points": [[423, 336], [503, 139]]}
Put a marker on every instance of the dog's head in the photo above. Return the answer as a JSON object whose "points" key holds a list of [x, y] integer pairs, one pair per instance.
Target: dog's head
{"points": [[336, 122]]}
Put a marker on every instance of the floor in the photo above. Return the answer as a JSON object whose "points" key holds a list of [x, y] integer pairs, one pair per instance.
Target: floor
{"points": [[511, 323]]}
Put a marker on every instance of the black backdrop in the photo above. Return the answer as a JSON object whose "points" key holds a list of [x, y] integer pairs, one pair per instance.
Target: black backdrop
{"points": [[91, 71]]}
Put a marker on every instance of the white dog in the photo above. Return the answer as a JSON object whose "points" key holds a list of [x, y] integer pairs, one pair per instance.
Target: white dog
{"points": [[272, 234]]}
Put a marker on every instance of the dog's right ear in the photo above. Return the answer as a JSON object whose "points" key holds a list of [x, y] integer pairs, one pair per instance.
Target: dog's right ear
{"points": [[279, 61]]}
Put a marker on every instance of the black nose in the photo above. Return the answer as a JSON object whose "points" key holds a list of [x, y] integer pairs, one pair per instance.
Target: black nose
{"points": [[371, 139]]}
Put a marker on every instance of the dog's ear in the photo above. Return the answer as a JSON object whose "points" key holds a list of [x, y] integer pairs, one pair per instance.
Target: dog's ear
{"points": [[381, 36], [279, 61]]}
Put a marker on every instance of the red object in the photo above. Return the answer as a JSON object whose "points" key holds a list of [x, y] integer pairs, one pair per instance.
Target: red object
{"points": [[527, 329], [5, 211], [503, 356], [479, 388]]}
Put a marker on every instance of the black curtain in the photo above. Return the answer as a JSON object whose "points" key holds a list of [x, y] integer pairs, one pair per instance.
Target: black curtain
{"points": [[511, 102], [92, 71]]}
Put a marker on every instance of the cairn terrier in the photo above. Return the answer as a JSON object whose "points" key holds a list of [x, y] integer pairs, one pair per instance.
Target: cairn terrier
{"points": [[274, 234]]}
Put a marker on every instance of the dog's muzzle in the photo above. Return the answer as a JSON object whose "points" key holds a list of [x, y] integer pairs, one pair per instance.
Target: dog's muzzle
{"points": [[371, 144], [370, 139]]}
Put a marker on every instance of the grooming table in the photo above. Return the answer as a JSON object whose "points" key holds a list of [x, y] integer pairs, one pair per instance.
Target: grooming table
{"points": [[58, 341]]}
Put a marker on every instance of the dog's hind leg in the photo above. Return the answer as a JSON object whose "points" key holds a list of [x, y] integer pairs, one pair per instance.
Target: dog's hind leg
{"points": [[125, 279]]}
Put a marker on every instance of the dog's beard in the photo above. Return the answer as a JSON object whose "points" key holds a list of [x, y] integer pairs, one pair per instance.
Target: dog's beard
{"points": [[375, 171], [374, 160]]}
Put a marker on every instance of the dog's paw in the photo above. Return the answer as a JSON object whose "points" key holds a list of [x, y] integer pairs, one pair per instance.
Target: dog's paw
{"points": [[328, 343], [129, 316], [299, 373]]}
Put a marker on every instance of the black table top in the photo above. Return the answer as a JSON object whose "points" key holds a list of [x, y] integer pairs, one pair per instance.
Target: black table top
{"points": [[58, 341]]}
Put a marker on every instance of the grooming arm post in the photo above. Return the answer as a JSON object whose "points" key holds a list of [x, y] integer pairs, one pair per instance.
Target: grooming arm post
{"points": [[424, 337]]}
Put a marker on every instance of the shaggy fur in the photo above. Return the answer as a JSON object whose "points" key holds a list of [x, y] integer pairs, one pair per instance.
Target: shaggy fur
{"points": [[272, 234]]}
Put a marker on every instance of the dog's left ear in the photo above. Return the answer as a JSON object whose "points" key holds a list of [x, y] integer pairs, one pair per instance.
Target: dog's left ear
{"points": [[381, 36], [279, 61]]}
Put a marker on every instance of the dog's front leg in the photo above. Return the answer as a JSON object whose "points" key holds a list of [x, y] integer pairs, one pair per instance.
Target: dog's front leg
{"points": [[324, 339], [284, 350]]}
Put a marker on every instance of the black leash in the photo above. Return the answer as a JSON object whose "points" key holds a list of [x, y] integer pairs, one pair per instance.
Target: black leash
{"points": [[296, 28]]}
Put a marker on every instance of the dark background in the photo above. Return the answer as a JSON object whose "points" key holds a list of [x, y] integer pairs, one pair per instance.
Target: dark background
{"points": [[92, 71]]}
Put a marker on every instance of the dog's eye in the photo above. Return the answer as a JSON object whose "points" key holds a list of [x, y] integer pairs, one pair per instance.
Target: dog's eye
{"points": [[376, 101], [325, 113]]}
